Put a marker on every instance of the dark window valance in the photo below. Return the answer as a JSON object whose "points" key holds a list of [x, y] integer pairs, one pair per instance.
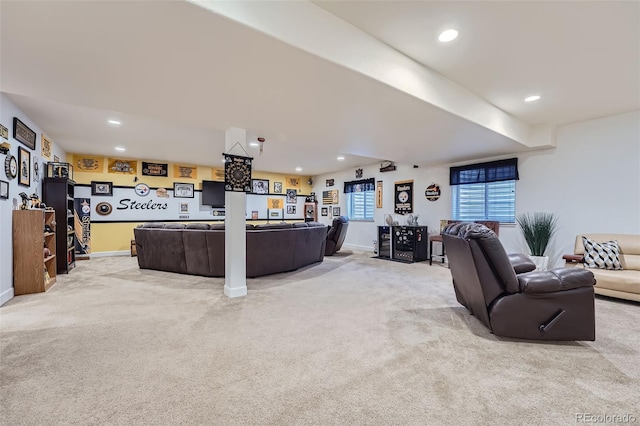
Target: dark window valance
{"points": [[360, 185], [492, 171]]}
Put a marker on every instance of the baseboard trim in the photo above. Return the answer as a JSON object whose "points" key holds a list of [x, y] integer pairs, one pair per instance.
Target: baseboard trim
{"points": [[6, 296], [235, 292], [111, 253]]}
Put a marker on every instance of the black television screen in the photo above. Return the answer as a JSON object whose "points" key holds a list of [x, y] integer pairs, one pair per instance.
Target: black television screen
{"points": [[212, 193]]}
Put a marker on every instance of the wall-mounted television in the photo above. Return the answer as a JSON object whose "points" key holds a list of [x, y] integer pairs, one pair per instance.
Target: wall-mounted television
{"points": [[212, 193]]}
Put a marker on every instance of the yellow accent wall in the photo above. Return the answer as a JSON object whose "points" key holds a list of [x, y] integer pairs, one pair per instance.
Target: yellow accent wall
{"points": [[117, 236]]}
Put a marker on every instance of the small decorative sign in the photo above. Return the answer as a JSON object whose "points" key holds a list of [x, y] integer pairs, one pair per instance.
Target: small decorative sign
{"points": [[433, 192], [292, 196], [24, 167], [292, 182], [46, 146], [4, 132], [89, 163], [379, 194], [274, 203], [155, 169], [188, 172], [183, 190], [404, 197], [22, 133], [102, 188], [237, 173], [330, 197], [122, 166], [387, 166]]}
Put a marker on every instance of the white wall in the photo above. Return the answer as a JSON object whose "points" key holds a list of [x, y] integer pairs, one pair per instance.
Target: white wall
{"points": [[591, 181], [7, 111]]}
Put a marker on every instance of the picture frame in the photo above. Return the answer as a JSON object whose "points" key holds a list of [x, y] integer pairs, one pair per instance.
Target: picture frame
{"points": [[22, 133], [292, 196], [4, 190], [260, 186], [291, 209], [24, 167], [183, 190], [102, 188], [277, 187], [336, 211], [324, 211], [275, 214]]}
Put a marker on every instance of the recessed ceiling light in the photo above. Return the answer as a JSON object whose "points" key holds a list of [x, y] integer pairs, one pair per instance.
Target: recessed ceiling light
{"points": [[119, 148], [532, 98], [448, 35], [298, 169], [115, 122], [340, 158], [254, 144]]}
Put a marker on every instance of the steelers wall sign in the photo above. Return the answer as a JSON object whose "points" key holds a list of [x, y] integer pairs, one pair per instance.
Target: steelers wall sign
{"points": [[404, 197], [237, 173], [433, 192]]}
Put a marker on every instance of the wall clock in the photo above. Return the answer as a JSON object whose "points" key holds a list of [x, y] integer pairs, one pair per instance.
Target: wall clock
{"points": [[11, 166]]}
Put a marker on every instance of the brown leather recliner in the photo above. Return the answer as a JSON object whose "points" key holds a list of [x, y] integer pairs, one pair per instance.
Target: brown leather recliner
{"points": [[336, 235], [509, 297]]}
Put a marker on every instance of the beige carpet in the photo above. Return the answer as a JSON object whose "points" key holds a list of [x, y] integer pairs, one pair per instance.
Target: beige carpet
{"points": [[351, 341]]}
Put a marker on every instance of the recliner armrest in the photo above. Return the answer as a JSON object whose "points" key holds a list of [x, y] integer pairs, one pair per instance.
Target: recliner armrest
{"points": [[559, 279], [521, 263]]}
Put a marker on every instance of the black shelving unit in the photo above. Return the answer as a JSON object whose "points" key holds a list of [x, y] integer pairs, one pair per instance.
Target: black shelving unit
{"points": [[59, 194]]}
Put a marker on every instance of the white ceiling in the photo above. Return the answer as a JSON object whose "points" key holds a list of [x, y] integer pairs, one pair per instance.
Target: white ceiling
{"points": [[177, 76]]}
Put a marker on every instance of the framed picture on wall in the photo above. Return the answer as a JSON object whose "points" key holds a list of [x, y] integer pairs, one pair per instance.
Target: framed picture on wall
{"points": [[102, 188], [24, 167], [336, 211], [324, 211], [260, 186], [4, 190], [277, 187], [183, 190]]}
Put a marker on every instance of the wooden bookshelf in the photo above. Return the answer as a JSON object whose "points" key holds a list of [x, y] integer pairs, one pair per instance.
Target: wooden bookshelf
{"points": [[32, 271]]}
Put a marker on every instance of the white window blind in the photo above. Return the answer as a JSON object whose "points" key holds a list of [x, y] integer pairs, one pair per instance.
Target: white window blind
{"points": [[485, 201], [360, 205]]}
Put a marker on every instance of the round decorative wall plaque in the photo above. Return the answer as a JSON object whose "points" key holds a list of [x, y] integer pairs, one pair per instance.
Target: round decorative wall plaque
{"points": [[433, 192], [11, 166]]}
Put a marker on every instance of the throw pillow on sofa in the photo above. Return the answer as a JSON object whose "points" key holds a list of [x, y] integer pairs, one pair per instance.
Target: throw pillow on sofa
{"points": [[601, 255]]}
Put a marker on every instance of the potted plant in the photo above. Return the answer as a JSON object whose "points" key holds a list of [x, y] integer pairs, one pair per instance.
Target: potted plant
{"points": [[537, 230]]}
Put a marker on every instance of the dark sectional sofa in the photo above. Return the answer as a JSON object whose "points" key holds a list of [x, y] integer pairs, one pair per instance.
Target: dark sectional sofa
{"points": [[199, 248]]}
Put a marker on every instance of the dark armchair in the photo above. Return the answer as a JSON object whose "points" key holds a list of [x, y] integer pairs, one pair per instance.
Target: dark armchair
{"points": [[512, 299], [336, 235]]}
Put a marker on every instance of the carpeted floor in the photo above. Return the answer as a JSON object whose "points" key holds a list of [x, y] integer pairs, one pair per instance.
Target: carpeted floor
{"points": [[353, 340]]}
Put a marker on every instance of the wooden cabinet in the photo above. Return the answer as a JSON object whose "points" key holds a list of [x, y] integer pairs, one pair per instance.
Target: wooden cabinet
{"points": [[59, 194], [33, 230]]}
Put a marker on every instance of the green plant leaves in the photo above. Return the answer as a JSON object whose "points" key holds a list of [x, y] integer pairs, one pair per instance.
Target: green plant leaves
{"points": [[537, 229]]}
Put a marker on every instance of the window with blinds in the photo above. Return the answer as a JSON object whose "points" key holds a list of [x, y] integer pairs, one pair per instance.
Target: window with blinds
{"points": [[360, 205], [485, 201], [484, 191], [360, 199]]}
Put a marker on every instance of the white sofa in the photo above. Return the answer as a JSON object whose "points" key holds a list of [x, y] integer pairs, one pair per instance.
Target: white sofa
{"points": [[625, 283]]}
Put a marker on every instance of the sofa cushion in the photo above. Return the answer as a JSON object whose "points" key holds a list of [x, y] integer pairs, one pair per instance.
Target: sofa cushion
{"points": [[197, 226], [153, 225], [174, 226], [604, 255]]}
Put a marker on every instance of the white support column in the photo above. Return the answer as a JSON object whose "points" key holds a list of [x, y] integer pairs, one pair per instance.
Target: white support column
{"points": [[235, 241]]}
